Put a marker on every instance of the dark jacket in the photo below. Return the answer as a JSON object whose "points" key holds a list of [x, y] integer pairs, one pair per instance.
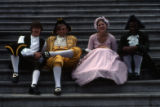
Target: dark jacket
{"points": [[148, 66]]}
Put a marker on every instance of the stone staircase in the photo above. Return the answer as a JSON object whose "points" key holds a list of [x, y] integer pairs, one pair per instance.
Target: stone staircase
{"points": [[15, 19]]}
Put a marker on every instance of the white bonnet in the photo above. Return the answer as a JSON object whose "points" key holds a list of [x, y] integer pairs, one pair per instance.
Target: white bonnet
{"points": [[100, 18]]}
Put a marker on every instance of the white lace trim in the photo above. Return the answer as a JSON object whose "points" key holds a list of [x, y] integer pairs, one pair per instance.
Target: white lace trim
{"points": [[133, 40]]}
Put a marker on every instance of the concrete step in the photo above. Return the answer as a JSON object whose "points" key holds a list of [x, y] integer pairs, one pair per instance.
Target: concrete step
{"points": [[81, 5], [13, 26], [154, 52], [63, 13], [102, 86], [82, 100], [60, 9], [76, 1], [78, 18]]}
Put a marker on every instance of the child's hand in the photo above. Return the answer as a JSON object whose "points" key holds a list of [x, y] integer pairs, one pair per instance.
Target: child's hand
{"points": [[102, 46], [37, 55], [130, 49]]}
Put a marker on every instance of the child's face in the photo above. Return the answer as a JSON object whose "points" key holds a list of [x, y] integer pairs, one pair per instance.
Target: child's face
{"points": [[133, 27], [36, 31], [62, 30], [101, 26]]}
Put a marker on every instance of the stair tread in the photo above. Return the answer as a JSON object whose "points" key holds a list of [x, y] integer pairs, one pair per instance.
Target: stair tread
{"points": [[72, 82], [82, 95], [17, 15]]}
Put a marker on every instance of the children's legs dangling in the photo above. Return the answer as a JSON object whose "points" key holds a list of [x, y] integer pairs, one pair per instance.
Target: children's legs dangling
{"points": [[127, 60], [57, 77], [137, 61]]}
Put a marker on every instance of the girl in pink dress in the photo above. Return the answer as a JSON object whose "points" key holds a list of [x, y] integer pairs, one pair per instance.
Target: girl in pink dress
{"points": [[102, 59]]}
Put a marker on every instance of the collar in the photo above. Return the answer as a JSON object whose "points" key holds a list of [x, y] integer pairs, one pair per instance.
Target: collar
{"points": [[58, 36], [34, 36]]}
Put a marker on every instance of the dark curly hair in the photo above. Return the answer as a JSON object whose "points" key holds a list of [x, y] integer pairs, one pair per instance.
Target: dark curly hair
{"points": [[59, 22], [36, 24], [133, 18]]}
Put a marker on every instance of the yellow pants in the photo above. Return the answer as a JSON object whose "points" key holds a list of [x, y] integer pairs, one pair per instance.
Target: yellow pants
{"points": [[58, 60]]}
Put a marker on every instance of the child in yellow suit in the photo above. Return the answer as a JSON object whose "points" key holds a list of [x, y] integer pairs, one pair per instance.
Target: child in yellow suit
{"points": [[60, 51]]}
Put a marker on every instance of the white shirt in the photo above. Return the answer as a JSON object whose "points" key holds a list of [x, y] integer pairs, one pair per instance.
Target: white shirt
{"points": [[60, 41], [34, 47], [133, 40]]}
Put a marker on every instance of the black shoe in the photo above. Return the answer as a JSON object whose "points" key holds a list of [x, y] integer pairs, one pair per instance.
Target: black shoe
{"points": [[34, 90], [130, 76], [15, 78], [133, 76], [57, 91], [137, 76]]}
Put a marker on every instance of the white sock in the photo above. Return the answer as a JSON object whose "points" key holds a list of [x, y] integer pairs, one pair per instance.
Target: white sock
{"points": [[15, 63], [137, 61], [127, 60], [35, 77], [57, 75], [65, 53]]}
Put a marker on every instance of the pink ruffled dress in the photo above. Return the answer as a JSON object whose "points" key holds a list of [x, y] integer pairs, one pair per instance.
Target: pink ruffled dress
{"points": [[101, 62]]}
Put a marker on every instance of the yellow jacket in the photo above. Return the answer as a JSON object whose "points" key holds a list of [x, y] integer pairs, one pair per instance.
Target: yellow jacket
{"points": [[70, 40]]}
